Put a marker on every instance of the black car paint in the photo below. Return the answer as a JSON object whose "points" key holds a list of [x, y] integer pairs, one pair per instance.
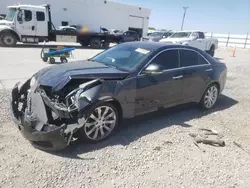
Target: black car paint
{"points": [[134, 93], [58, 76]]}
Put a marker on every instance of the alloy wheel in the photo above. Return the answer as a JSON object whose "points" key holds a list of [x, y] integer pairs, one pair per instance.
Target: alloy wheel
{"points": [[211, 97], [100, 123]]}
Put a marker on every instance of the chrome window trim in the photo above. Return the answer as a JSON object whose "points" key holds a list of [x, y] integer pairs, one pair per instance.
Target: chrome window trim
{"points": [[179, 68]]}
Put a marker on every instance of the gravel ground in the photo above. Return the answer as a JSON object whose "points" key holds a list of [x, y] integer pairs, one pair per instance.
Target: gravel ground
{"points": [[150, 151]]}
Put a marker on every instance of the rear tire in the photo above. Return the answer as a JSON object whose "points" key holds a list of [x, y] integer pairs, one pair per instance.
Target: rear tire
{"points": [[52, 60], [210, 97], [211, 50], [63, 60], [95, 43], [8, 39], [102, 120]]}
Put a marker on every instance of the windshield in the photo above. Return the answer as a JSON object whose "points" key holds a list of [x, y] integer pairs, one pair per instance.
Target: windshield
{"points": [[122, 57], [11, 14], [181, 35], [156, 34]]}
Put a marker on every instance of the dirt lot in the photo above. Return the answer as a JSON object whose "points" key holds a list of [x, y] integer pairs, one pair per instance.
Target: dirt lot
{"points": [[151, 151]]}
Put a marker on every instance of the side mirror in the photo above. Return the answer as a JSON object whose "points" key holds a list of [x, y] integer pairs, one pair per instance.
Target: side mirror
{"points": [[152, 69]]}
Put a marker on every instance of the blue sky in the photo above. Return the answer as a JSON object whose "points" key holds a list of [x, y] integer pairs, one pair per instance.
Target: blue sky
{"points": [[220, 16]]}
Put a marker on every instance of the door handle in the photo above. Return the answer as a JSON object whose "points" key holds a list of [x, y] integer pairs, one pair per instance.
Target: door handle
{"points": [[33, 28], [177, 77], [209, 70]]}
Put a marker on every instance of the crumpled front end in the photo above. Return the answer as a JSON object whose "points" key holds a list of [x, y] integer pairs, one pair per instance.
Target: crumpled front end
{"points": [[50, 120]]}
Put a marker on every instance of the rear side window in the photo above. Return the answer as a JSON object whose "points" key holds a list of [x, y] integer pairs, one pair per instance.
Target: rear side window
{"points": [[27, 15], [201, 35], [167, 60], [191, 58], [40, 16], [202, 61], [188, 58]]}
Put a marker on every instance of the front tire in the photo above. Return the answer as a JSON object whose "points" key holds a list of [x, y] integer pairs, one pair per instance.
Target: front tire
{"points": [[210, 97], [101, 123], [45, 59], [8, 40]]}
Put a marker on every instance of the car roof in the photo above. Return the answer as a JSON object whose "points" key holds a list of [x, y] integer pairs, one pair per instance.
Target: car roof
{"points": [[155, 45]]}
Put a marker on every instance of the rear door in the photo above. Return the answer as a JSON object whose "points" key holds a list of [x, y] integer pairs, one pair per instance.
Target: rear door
{"points": [[196, 71], [41, 24]]}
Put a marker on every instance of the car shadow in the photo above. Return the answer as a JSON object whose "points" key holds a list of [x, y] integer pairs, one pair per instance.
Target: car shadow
{"points": [[133, 129]]}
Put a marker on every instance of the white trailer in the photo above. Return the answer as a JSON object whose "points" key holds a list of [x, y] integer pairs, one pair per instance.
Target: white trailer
{"points": [[93, 14]]}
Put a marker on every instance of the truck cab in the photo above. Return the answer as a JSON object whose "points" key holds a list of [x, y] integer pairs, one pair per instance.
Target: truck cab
{"points": [[24, 23], [32, 24]]}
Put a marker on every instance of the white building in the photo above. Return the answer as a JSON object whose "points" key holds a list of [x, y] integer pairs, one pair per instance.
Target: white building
{"points": [[92, 13]]}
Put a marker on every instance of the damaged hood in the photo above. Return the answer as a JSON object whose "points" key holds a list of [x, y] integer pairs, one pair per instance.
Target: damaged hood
{"points": [[58, 76]]}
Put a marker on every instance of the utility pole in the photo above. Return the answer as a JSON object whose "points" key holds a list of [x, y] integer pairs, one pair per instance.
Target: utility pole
{"points": [[184, 14]]}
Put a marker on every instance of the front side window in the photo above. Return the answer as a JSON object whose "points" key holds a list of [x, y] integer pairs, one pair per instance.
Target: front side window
{"points": [[122, 57], [166, 35], [156, 34], [180, 35], [194, 35], [40, 16], [167, 60], [191, 58]]}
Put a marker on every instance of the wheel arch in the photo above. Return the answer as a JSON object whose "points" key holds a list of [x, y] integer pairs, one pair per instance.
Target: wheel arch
{"points": [[12, 32], [211, 83], [212, 46], [84, 112], [115, 102]]}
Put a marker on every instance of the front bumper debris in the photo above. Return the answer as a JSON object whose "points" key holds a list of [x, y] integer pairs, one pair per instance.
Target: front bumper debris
{"points": [[49, 124], [41, 136]]}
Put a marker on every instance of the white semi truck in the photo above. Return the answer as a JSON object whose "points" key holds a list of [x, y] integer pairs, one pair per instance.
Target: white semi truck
{"points": [[33, 24]]}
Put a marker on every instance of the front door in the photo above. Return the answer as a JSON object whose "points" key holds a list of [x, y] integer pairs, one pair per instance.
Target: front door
{"points": [[196, 72], [127, 36], [25, 24], [163, 89]]}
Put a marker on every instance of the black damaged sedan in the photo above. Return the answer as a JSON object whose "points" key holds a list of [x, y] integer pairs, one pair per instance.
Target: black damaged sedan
{"points": [[88, 99]]}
